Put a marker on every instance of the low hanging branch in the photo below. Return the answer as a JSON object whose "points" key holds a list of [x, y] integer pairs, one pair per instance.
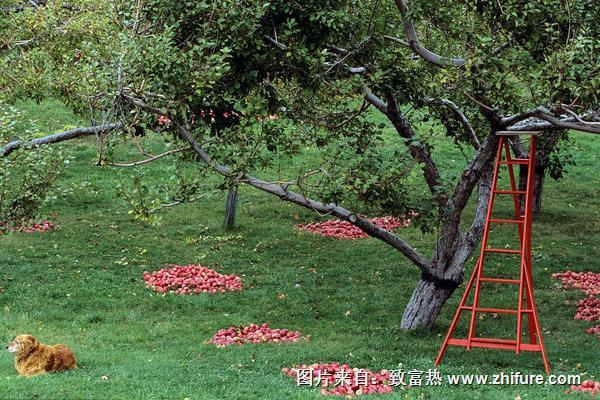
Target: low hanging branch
{"points": [[282, 191], [418, 150], [58, 137]]}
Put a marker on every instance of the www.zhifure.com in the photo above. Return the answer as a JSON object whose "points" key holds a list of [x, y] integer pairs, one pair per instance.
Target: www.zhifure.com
{"points": [[430, 377]]}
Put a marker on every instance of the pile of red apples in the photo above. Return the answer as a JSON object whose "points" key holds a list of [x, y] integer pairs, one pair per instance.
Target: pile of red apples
{"points": [[35, 228], [254, 333], [588, 282], [345, 230], [191, 279], [588, 309], [591, 387]]}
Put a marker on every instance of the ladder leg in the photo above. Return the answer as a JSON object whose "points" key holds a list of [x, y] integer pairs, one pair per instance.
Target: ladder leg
{"points": [[457, 315], [520, 307], [530, 320], [475, 304], [518, 216], [538, 330], [528, 270]]}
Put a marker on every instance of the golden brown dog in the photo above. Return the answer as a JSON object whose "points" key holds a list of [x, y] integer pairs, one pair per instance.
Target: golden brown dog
{"points": [[33, 358]]}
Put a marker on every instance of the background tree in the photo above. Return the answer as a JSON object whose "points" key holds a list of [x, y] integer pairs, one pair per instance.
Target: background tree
{"points": [[211, 74]]}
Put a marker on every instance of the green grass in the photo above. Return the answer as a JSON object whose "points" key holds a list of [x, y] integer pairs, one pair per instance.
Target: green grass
{"points": [[82, 285]]}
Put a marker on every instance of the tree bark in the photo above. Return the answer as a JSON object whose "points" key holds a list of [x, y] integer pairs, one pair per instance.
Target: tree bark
{"points": [[426, 302], [453, 249], [230, 208], [58, 137]]}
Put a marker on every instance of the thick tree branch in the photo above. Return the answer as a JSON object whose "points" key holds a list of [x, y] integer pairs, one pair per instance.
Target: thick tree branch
{"points": [[58, 137], [484, 186], [413, 41], [541, 118], [418, 150], [473, 172], [374, 100], [24, 5], [284, 194]]}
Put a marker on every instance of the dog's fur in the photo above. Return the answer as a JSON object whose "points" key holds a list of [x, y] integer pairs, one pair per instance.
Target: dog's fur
{"points": [[33, 358]]}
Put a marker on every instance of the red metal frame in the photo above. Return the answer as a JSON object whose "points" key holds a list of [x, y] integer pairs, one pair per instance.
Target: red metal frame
{"points": [[525, 282]]}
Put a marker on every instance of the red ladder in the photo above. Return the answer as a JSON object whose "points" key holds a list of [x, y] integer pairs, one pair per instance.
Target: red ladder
{"points": [[526, 300]]}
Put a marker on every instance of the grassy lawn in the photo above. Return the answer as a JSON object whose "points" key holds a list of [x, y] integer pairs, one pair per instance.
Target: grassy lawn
{"points": [[82, 285]]}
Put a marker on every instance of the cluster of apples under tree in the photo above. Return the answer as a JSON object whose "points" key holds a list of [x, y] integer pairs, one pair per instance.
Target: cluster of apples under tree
{"points": [[35, 228], [588, 309], [191, 279], [592, 387], [254, 333], [345, 230]]}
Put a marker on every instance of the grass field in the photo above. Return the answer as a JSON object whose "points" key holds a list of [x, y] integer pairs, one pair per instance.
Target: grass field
{"points": [[82, 285]]}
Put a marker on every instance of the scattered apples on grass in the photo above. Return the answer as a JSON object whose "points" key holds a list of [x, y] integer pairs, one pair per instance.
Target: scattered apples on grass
{"points": [[253, 333], [191, 279], [589, 282], [345, 230], [40, 228], [589, 386], [588, 309]]}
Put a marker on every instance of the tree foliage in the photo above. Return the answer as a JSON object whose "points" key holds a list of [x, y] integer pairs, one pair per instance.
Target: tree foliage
{"points": [[26, 178]]}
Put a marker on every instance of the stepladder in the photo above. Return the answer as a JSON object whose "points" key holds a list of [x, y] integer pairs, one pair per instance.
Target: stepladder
{"points": [[523, 305]]}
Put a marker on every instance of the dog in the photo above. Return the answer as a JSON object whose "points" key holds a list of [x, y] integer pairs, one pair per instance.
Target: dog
{"points": [[34, 358]]}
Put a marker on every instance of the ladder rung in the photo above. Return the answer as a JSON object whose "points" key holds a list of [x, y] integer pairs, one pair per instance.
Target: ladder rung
{"points": [[507, 221], [508, 251], [494, 310], [510, 192], [491, 310], [494, 340], [515, 161], [491, 343], [500, 280]]}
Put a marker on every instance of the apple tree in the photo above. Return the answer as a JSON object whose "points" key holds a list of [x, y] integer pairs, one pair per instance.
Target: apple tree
{"points": [[242, 88]]}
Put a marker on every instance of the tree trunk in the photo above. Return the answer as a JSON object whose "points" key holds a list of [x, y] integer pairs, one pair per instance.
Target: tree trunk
{"points": [[426, 302], [230, 208], [452, 252], [538, 187]]}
